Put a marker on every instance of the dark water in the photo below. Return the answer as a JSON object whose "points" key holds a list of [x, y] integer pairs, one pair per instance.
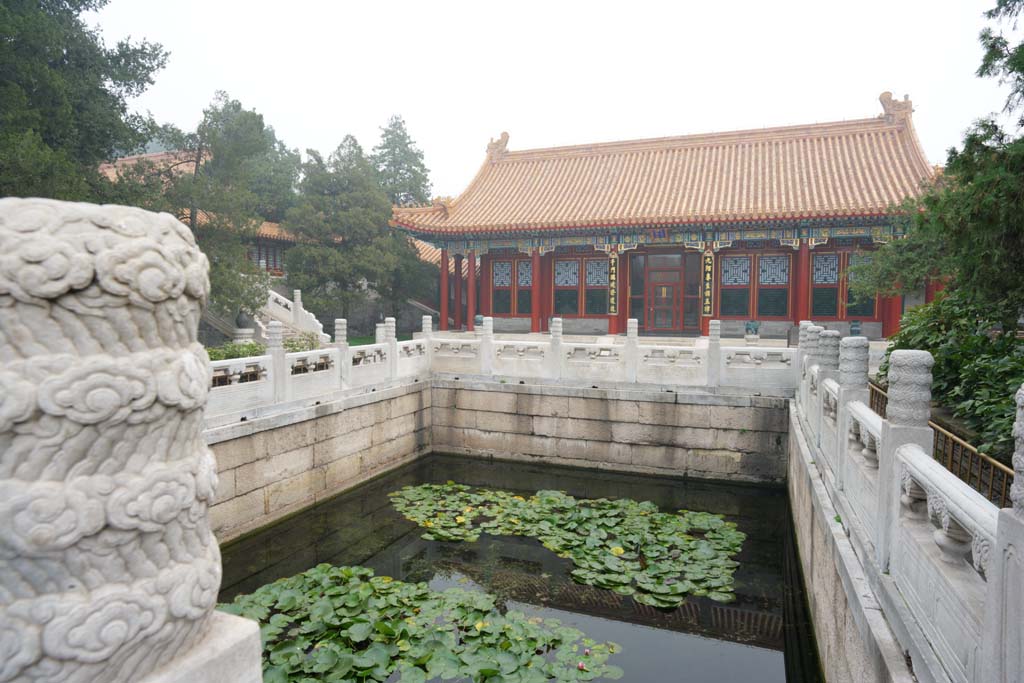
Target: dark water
{"points": [[763, 636]]}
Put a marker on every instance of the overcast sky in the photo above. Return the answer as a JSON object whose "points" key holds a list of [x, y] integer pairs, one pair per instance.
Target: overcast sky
{"points": [[559, 72]]}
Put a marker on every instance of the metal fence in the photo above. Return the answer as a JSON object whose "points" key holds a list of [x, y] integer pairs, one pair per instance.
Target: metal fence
{"points": [[985, 475]]}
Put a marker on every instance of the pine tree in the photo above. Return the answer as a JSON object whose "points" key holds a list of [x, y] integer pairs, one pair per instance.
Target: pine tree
{"points": [[399, 163]]}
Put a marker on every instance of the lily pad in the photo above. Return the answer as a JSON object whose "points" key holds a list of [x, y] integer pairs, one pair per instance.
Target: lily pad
{"points": [[619, 544]]}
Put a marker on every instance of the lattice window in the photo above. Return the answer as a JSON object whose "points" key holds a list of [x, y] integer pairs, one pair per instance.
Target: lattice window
{"points": [[567, 273], [597, 273], [774, 270], [736, 270], [524, 273], [502, 273], [826, 269]]}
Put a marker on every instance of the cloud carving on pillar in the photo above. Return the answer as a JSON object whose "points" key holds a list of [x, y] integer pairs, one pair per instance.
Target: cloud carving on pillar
{"points": [[108, 567]]}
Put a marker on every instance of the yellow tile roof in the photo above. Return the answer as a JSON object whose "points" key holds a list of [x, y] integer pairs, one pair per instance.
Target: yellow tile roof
{"points": [[849, 168]]}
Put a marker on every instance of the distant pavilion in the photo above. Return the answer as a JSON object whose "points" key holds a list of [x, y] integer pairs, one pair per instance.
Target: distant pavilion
{"points": [[739, 226]]}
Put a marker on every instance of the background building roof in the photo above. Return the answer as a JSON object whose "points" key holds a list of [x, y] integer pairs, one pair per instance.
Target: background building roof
{"points": [[848, 168]]}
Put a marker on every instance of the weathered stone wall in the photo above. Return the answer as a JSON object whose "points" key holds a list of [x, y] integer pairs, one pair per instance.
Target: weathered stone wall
{"points": [[855, 642], [704, 435], [271, 467]]}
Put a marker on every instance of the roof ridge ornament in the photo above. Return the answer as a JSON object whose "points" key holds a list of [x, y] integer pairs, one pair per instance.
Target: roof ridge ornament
{"points": [[442, 204], [895, 111], [497, 148]]}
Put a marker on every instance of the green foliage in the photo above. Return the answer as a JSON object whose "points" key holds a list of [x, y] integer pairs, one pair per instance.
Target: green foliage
{"points": [[978, 368], [621, 545], [63, 99], [233, 350], [303, 341], [345, 624], [399, 163], [969, 225], [342, 216]]}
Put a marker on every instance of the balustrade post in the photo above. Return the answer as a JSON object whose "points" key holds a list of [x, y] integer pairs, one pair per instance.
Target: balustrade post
{"points": [[800, 363], [380, 334], [344, 355], [487, 346], [632, 351], [714, 368], [110, 570], [1002, 635], [810, 359], [555, 365], [828, 368], [853, 386], [391, 339], [279, 371], [428, 327], [910, 395]]}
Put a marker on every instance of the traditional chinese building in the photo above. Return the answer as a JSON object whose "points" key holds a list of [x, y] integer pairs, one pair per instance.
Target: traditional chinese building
{"points": [[739, 226]]}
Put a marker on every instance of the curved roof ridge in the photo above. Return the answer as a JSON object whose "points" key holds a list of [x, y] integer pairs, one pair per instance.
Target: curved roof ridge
{"points": [[692, 139]]}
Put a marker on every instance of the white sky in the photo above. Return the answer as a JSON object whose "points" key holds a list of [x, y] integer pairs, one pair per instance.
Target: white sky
{"points": [[560, 72]]}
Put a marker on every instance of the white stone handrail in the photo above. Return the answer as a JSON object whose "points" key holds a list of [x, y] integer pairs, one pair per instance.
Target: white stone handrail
{"points": [[957, 506], [937, 549]]}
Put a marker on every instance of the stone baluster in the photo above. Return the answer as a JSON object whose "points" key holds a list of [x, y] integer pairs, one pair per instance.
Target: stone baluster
{"points": [[953, 540], [344, 356], [556, 348], [714, 369], [380, 333], [913, 498], [1003, 630], [813, 337], [632, 351], [280, 373], [428, 327], [297, 300], [109, 569], [910, 380], [486, 332], [391, 339]]}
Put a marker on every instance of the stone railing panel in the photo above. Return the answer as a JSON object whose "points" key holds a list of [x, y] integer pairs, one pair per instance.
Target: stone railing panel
{"points": [[313, 373], [671, 365], [454, 355]]}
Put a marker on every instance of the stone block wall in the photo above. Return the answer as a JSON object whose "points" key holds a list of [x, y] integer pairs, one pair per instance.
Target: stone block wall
{"points": [[271, 467], [703, 435]]}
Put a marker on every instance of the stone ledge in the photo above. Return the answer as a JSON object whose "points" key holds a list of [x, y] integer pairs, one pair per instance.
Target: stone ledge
{"points": [[229, 651], [887, 662]]}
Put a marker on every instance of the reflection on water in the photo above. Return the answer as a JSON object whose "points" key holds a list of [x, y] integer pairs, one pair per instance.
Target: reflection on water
{"points": [[762, 636]]}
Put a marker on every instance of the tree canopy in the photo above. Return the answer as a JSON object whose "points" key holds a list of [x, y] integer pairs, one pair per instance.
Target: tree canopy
{"points": [[403, 175], [63, 99], [346, 248], [968, 226]]}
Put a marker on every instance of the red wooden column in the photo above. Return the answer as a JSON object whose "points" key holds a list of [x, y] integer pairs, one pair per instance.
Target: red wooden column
{"points": [[486, 281], [470, 290], [458, 291], [892, 311], [444, 289], [932, 287], [802, 278], [623, 292], [535, 292]]}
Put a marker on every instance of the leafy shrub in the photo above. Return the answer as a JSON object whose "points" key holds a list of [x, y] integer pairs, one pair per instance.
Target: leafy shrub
{"points": [[978, 367], [233, 350], [304, 341]]}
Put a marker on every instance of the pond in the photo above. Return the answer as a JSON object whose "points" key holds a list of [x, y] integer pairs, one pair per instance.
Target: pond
{"points": [[763, 635]]}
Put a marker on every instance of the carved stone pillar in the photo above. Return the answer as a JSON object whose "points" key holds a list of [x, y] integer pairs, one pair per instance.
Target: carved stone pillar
{"points": [[910, 388], [828, 350], [1003, 635], [853, 363], [108, 568]]}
